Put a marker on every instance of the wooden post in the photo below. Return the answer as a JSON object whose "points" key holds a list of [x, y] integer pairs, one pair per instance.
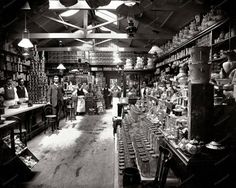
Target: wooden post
{"points": [[124, 82], [200, 111]]}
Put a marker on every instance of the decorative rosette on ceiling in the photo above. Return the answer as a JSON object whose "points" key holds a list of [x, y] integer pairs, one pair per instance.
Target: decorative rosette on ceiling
{"points": [[68, 3], [97, 3], [129, 10]]}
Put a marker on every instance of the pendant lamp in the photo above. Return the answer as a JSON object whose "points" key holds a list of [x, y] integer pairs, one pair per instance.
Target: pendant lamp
{"points": [[155, 50], [61, 67], [25, 41], [68, 3]]}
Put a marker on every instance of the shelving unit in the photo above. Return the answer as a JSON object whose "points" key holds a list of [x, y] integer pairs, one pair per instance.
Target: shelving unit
{"points": [[13, 65], [13, 157], [204, 38]]}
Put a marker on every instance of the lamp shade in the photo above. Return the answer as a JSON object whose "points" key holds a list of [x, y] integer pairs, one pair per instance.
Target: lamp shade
{"points": [[155, 50], [25, 43], [127, 10], [61, 67]]}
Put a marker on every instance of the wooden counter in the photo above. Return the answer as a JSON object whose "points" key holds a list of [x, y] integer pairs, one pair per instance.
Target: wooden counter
{"points": [[174, 148], [204, 169], [22, 109], [32, 117]]}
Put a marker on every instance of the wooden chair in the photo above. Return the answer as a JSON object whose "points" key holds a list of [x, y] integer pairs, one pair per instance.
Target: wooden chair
{"points": [[163, 166], [22, 132], [50, 118]]}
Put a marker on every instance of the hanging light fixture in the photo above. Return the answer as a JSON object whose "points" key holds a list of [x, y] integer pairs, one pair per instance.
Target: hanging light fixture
{"points": [[25, 52], [155, 50], [25, 42], [61, 67]]}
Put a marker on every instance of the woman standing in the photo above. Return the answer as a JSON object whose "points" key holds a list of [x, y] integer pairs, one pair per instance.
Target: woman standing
{"points": [[80, 93]]}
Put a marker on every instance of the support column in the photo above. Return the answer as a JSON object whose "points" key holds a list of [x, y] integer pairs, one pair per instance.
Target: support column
{"points": [[200, 111]]}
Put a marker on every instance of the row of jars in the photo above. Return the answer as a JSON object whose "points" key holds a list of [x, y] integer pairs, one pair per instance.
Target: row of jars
{"points": [[126, 152], [146, 157]]}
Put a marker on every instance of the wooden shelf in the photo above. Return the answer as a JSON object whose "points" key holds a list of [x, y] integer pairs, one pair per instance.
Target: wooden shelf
{"points": [[197, 36], [185, 56], [218, 59], [223, 41], [139, 70], [19, 153]]}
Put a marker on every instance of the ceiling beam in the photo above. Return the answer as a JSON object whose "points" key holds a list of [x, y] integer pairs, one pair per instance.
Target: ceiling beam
{"points": [[101, 49], [101, 42], [86, 42], [66, 26], [111, 26], [93, 36], [85, 19], [56, 5], [167, 18], [63, 22], [106, 23]]}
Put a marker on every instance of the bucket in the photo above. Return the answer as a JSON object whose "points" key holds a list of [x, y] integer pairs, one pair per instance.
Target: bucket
{"points": [[199, 73], [131, 177], [200, 54]]}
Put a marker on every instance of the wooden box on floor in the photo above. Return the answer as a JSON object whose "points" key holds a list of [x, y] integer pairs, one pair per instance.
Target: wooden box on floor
{"points": [[200, 111], [13, 168]]}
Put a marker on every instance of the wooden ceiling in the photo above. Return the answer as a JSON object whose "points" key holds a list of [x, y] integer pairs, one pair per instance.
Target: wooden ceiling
{"points": [[159, 21]]}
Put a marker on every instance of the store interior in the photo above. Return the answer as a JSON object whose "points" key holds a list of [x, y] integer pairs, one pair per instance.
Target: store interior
{"points": [[117, 93]]}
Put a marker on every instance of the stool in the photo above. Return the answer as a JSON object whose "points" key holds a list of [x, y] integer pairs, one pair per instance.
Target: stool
{"points": [[70, 109], [50, 118], [19, 131], [116, 121]]}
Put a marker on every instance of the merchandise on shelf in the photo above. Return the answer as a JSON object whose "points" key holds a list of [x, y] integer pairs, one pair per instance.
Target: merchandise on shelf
{"points": [[38, 80], [196, 26], [29, 161], [19, 146], [150, 64], [139, 63], [129, 64]]}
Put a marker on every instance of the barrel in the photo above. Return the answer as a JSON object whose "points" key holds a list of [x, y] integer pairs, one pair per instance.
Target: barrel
{"points": [[200, 54], [131, 177], [199, 73]]}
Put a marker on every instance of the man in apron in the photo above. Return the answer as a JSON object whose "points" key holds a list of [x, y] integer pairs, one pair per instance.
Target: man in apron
{"points": [[9, 93]]}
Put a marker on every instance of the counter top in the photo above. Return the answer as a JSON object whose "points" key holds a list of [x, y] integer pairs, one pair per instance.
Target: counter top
{"points": [[174, 148], [23, 108], [7, 123]]}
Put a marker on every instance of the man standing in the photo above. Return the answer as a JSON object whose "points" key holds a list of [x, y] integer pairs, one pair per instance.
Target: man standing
{"points": [[107, 95], [55, 98], [144, 90], [9, 93], [22, 91]]}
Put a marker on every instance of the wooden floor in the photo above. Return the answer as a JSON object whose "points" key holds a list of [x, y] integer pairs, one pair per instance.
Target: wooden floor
{"points": [[79, 155]]}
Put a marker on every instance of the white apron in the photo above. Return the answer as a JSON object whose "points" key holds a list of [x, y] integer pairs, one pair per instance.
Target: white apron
{"points": [[80, 104]]}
